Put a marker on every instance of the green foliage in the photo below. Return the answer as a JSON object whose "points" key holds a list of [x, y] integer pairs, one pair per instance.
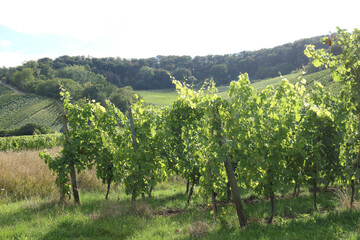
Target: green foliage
{"points": [[141, 149], [123, 98], [261, 130], [23, 78], [318, 139], [182, 74], [51, 88], [345, 66], [220, 73], [79, 144], [79, 74], [183, 122], [28, 129], [21, 143], [145, 77]]}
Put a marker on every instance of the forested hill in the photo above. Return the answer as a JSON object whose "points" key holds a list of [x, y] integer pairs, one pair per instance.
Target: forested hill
{"points": [[89, 77]]}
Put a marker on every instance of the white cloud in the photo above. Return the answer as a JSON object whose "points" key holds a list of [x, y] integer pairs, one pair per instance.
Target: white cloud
{"points": [[143, 28], [5, 44], [12, 59]]}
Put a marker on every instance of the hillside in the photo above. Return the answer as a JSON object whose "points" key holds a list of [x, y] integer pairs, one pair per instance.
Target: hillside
{"points": [[18, 110], [85, 76], [110, 78]]}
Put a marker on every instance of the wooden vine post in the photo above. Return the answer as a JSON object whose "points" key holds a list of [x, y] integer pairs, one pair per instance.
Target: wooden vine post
{"points": [[232, 181], [71, 165]]}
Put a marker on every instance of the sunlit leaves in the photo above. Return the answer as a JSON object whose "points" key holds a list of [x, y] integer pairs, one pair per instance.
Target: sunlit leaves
{"points": [[20, 143]]}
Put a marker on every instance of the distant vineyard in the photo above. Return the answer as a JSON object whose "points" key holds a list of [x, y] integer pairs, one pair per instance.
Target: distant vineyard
{"points": [[18, 110], [30, 142], [4, 90]]}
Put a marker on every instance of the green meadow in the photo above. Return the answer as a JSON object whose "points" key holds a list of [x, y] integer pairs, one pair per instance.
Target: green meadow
{"points": [[168, 96]]}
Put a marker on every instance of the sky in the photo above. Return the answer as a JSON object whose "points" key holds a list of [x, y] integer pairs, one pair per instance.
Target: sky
{"points": [[30, 30]]}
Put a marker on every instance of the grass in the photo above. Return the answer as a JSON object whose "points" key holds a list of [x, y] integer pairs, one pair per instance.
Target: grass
{"points": [[96, 218], [38, 214], [260, 85], [24, 175], [159, 97]]}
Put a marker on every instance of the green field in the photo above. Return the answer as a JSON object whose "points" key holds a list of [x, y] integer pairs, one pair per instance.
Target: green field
{"points": [[18, 110], [159, 97], [167, 96]]}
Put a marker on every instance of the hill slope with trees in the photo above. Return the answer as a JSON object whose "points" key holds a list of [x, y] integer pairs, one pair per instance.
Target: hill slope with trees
{"points": [[96, 77]]}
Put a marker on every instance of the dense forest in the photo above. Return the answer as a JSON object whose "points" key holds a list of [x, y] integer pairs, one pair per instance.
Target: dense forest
{"points": [[114, 78]]}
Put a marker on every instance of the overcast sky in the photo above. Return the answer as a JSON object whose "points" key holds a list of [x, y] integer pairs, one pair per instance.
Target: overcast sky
{"points": [[147, 28]]}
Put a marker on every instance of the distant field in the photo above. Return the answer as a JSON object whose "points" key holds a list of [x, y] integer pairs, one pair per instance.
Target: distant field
{"points": [[19, 110], [167, 96], [159, 97], [260, 85]]}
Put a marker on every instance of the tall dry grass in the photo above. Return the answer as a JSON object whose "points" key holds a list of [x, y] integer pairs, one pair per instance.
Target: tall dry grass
{"points": [[24, 175], [343, 197]]}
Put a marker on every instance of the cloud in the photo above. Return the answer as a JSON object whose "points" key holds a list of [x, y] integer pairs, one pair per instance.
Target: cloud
{"points": [[5, 44], [142, 28], [13, 59]]}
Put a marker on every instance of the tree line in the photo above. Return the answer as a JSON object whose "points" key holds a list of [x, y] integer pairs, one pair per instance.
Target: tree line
{"points": [[96, 77]]}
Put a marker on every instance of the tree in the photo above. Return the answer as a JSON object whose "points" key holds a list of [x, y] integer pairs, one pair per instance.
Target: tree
{"points": [[220, 73], [162, 79], [145, 77], [22, 78], [182, 74], [79, 74]]}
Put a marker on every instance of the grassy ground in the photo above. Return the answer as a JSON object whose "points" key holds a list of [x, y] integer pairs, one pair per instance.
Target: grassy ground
{"points": [[167, 217], [40, 216], [159, 97]]}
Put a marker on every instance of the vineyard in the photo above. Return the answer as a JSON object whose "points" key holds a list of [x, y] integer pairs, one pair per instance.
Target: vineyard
{"points": [[20, 143], [19, 110], [268, 142], [4, 90]]}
